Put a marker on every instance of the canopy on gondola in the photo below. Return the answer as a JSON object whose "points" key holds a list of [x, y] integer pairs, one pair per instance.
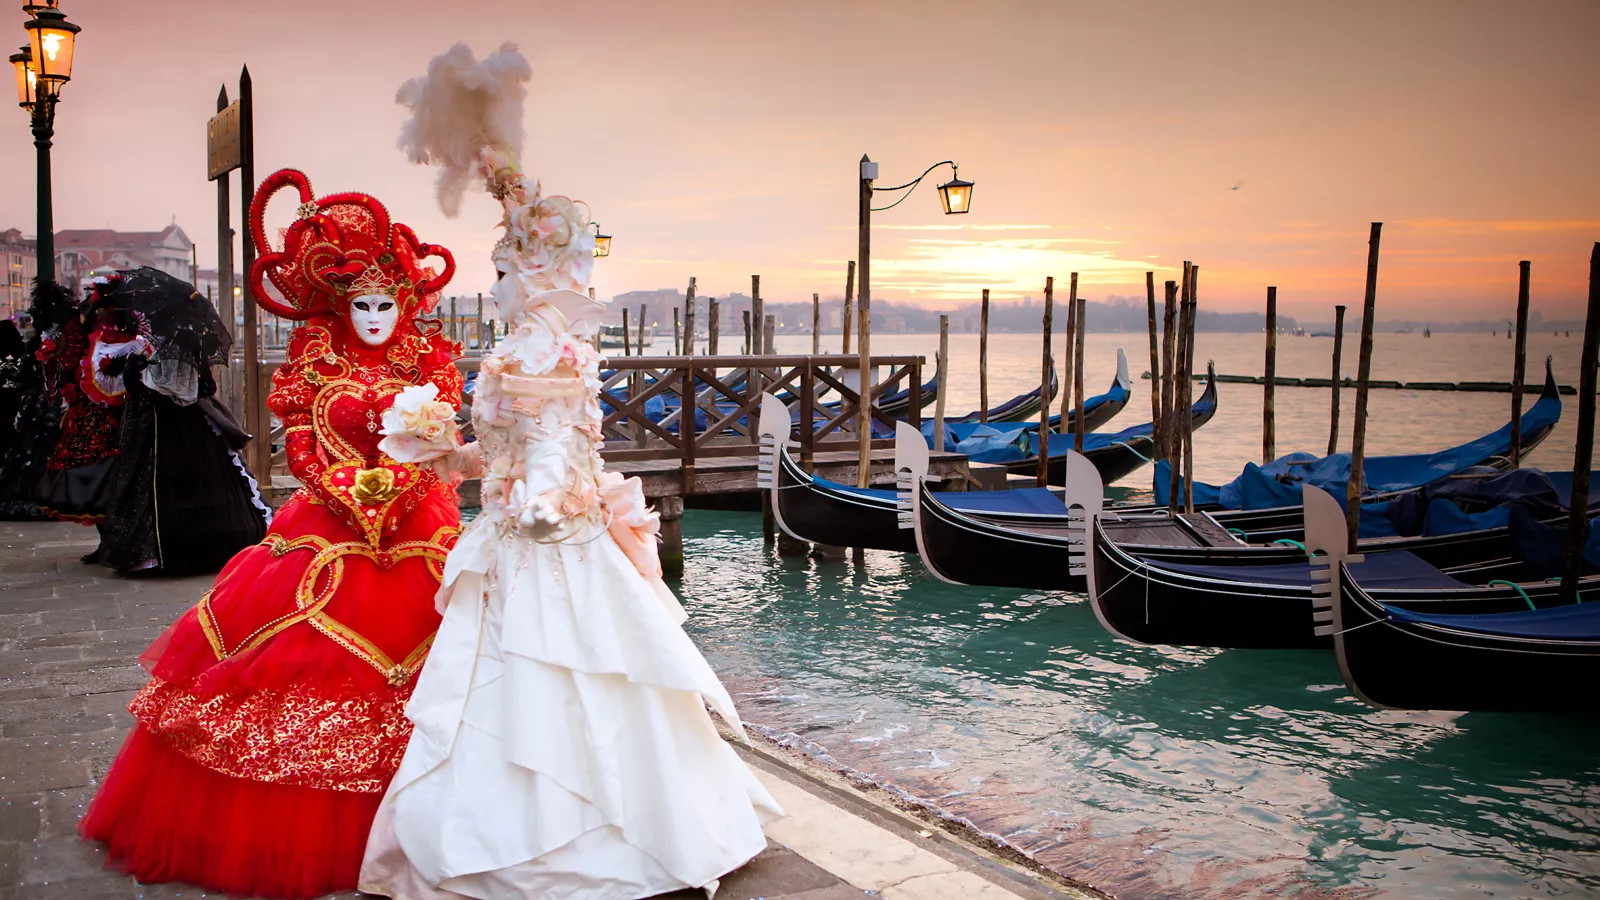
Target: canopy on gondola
{"points": [[977, 440], [1277, 484]]}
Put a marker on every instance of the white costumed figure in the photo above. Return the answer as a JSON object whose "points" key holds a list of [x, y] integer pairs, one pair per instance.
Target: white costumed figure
{"points": [[562, 745]]}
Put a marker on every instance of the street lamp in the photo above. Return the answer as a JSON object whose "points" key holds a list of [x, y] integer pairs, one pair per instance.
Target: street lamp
{"points": [[602, 242], [955, 196], [41, 73]]}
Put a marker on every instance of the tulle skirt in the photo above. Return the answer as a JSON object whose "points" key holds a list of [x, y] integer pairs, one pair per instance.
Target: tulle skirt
{"points": [[265, 739], [165, 817]]}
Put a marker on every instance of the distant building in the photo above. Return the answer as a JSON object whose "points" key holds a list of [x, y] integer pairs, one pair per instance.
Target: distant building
{"points": [[20, 256], [81, 254]]}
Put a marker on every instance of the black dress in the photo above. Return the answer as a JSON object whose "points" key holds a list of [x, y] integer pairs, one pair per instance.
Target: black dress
{"points": [[180, 500]]}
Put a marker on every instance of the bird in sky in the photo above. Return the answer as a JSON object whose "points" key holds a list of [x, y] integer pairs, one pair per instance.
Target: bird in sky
{"points": [[1237, 186]]}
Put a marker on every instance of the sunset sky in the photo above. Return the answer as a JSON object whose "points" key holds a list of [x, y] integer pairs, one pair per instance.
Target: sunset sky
{"points": [[720, 139]]}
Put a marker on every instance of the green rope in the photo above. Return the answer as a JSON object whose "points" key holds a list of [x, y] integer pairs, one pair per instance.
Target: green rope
{"points": [[1294, 543], [1239, 532], [1501, 582]]}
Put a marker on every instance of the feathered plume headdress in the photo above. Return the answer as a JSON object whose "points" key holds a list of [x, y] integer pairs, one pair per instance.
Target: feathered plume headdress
{"points": [[466, 118]]}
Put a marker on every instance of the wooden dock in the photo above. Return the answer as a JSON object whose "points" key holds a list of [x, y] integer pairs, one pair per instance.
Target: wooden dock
{"points": [[713, 453]]}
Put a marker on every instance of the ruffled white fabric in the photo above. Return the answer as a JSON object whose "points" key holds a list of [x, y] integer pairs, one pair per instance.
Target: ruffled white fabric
{"points": [[562, 745]]}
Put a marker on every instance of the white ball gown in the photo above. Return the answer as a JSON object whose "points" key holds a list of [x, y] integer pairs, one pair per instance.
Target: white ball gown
{"points": [[562, 745]]}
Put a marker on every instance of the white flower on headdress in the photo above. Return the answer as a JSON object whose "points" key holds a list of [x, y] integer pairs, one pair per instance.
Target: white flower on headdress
{"points": [[418, 427]]}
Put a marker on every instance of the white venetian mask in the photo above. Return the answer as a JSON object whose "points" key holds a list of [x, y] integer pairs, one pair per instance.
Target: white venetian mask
{"points": [[373, 317]]}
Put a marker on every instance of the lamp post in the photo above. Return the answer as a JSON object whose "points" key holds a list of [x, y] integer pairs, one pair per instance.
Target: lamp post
{"points": [[41, 70], [955, 196], [602, 242]]}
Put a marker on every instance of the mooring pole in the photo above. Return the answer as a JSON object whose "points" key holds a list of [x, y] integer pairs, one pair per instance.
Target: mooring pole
{"points": [[1519, 368], [1180, 381], [983, 360], [944, 379], [688, 319], [1338, 378], [749, 341], [642, 313], [849, 306], [1188, 390], [1044, 384], [1079, 426], [627, 345], [1169, 337], [758, 315], [713, 325], [1269, 382], [677, 332], [816, 325], [1155, 362], [1358, 439], [1583, 458], [1067, 359]]}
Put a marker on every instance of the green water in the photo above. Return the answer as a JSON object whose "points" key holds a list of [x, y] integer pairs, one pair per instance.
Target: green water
{"points": [[1146, 771]]}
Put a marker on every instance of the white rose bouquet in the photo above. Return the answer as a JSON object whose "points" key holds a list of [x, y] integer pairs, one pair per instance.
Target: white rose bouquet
{"points": [[419, 427]]}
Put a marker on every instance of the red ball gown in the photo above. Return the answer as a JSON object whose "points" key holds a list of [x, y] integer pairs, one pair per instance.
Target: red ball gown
{"points": [[274, 716]]}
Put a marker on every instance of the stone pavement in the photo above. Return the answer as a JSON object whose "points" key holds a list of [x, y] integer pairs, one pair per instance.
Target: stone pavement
{"points": [[70, 637]]}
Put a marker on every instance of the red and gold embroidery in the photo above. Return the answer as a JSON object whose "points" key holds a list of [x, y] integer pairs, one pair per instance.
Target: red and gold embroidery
{"points": [[297, 737]]}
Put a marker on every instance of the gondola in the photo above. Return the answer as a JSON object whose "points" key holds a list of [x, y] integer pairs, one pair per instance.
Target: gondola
{"points": [[1211, 593], [815, 509], [1115, 455], [1044, 554], [1264, 499], [1413, 648], [1009, 421]]}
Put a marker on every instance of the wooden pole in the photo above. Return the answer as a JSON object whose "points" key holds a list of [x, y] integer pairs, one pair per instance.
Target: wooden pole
{"points": [[749, 342], [849, 306], [259, 423], [758, 315], [1067, 358], [1583, 458], [1358, 440], [1044, 383], [1180, 381], [816, 325], [228, 390], [677, 333], [1079, 426], [983, 360], [627, 345], [1169, 338], [713, 325], [688, 319], [1338, 377], [643, 313], [454, 332], [864, 313], [1269, 436], [1188, 390], [1519, 369], [1155, 361], [944, 379], [768, 332]]}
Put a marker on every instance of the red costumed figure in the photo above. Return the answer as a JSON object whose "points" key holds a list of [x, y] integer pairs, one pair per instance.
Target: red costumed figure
{"points": [[274, 716]]}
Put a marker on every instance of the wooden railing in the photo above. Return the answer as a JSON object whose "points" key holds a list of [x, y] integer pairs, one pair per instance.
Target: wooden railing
{"points": [[643, 400]]}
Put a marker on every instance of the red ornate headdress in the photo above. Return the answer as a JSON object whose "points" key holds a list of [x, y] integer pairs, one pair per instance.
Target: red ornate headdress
{"points": [[341, 247]]}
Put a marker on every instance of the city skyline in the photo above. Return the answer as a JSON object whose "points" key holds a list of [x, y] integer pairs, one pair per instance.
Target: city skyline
{"points": [[719, 141]]}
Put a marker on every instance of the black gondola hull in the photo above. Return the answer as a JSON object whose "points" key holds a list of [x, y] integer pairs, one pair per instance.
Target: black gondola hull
{"points": [[1416, 666], [965, 550], [815, 513]]}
